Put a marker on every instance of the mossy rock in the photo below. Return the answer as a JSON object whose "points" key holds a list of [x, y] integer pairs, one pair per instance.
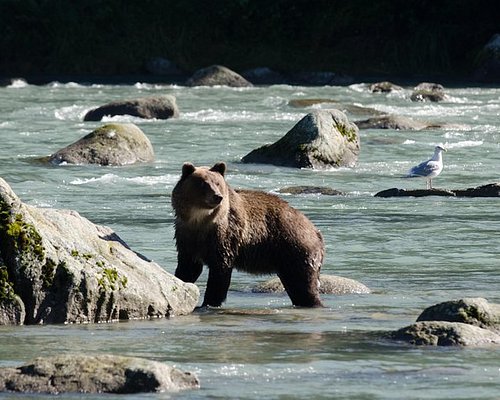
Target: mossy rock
{"points": [[110, 144], [322, 139]]}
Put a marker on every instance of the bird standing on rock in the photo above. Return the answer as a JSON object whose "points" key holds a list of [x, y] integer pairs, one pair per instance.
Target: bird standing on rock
{"points": [[429, 169]]}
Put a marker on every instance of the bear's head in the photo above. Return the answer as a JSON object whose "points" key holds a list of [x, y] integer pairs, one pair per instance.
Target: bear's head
{"points": [[200, 192]]}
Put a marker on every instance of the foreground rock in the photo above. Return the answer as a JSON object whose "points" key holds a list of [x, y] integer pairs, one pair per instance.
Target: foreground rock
{"points": [[217, 75], [427, 91], [94, 374], [322, 139], [111, 144], [464, 322], [489, 190], [329, 284], [58, 267], [157, 107]]}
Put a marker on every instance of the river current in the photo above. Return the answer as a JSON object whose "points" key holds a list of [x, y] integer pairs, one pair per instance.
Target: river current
{"points": [[412, 252]]}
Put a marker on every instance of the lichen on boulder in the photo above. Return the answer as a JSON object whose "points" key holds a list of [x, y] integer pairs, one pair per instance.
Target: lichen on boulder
{"points": [[110, 144], [322, 139], [78, 373], [58, 267]]}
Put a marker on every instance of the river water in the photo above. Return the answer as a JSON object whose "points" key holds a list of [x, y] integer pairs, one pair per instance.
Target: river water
{"points": [[412, 252]]}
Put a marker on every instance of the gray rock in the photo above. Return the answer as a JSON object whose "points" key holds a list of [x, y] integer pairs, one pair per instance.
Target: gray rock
{"points": [[472, 311], [322, 139], [77, 373], [217, 75], [391, 122], [444, 333], [111, 144], [159, 107], [426, 91], [325, 191], [62, 268], [489, 190], [488, 68], [329, 284], [349, 109], [384, 87]]}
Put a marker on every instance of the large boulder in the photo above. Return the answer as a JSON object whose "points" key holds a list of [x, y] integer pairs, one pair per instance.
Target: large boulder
{"points": [[111, 144], [427, 91], [159, 107], [78, 373], [329, 284], [217, 75], [322, 139], [488, 69], [463, 322], [58, 267]]}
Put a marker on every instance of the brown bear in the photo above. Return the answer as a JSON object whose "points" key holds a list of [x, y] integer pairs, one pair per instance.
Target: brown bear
{"points": [[249, 230]]}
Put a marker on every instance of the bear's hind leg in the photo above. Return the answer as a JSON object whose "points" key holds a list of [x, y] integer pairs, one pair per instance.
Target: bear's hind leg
{"points": [[302, 287]]}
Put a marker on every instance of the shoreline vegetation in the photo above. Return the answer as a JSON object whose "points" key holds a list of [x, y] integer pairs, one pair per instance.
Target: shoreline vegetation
{"points": [[113, 42]]}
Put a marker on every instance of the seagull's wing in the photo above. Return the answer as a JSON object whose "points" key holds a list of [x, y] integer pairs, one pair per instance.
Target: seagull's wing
{"points": [[424, 169]]}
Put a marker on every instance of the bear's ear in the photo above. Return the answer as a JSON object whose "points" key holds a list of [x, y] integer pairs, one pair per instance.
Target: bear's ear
{"points": [[220, 167], [187, 169]]}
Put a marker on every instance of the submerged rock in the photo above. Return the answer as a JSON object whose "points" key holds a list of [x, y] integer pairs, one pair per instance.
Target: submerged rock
{"points": [[58, 267], [111, 144], [384, 87], [463, 322], [159, 107], [325, 191], [217, 75], [78, 373], [489, 190], [391, 122], [329, 284], [322, 139]]}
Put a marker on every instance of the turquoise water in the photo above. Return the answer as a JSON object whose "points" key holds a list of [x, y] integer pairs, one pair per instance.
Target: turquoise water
{"points": [[412, 252]]}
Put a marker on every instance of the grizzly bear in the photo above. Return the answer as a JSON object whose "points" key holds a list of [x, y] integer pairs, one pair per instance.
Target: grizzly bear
{"points": [[249, 230]]}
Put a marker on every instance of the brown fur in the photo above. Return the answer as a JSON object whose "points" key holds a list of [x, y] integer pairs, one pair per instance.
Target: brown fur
{"points": [[249, 230]]}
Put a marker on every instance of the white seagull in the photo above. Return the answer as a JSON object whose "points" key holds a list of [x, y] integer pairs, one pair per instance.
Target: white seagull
{"points": [[429, 169]]}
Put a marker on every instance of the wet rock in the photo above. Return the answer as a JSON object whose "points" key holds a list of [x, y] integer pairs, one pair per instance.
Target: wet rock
{"points": [[384, 87], [472, 311], [156, 107], [391, 122], [325, 191], [111, 144], [58, 267], [329, 284], [463, 322], [216, 75], [345, 108], [443, 333], [489, 190], [78, 373], [322, 139], [427, 91]]}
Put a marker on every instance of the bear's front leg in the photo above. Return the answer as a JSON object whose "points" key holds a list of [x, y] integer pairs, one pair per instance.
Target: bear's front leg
{"points": [[188, 269], [218, 282]]}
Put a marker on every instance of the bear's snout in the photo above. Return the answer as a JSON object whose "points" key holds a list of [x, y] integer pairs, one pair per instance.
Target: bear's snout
{"points": [[217, 199]]}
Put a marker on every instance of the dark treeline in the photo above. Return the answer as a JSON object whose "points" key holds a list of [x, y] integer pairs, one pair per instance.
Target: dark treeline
{"points": [[106, 37]]}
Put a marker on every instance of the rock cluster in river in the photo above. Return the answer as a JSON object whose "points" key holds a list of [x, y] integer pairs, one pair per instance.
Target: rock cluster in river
{"points": [[464, 322], [322, 139], [111, 144], [58, 267], [78, 373]]}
